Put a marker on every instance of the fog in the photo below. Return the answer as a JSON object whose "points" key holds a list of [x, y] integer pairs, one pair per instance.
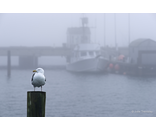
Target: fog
{"points": [[49, 29]]}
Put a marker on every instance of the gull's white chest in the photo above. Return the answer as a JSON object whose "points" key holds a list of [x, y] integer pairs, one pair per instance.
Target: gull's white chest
{"points": [[38, 80]]}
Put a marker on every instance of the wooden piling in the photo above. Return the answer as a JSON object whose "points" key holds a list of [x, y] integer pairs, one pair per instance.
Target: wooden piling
{"points": [[36, 101], [9, 64]]}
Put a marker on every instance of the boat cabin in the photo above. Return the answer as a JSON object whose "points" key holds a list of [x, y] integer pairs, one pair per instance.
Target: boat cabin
{"points": [[79, 55], [78, 35], [85, 51]]}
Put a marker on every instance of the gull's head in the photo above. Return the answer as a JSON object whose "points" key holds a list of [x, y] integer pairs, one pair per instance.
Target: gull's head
{"points": [[39, 70]]}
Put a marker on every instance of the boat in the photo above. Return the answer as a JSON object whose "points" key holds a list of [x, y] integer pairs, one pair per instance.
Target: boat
{"points": [[86, 56]]}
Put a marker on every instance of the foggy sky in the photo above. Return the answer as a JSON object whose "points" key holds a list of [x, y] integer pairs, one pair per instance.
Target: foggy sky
{"points": [[49, 29]]}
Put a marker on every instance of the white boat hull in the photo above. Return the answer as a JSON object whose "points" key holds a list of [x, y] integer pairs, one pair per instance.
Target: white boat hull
{"points": [[88, 65]]}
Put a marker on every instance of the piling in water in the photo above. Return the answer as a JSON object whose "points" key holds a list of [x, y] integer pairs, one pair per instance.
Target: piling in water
{"points": [[36, 101], [9, 64]]}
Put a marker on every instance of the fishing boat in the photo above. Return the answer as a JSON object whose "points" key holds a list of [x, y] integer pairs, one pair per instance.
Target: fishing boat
{"points": [[86, 56]]}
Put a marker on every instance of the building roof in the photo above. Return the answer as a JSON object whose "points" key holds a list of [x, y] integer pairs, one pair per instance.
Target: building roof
{"points": [[142, 42], [78, 30]]}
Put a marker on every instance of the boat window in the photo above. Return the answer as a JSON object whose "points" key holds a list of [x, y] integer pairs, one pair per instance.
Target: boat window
{"points": [[83, 53], [91, 53], [76, 54]]}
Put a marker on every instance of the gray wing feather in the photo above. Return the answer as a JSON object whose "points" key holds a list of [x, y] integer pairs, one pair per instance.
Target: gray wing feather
{"points": [[32, 77]]}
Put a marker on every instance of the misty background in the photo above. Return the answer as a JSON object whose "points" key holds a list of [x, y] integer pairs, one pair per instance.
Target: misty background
{"points": [[49, 29]]}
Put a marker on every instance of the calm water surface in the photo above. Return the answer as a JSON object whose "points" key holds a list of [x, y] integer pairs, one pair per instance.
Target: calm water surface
{"points": [[80, 95]]}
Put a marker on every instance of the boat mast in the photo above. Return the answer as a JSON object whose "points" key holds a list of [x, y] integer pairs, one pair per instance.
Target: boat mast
{"points": [[116, 46], [95, 26], [104, 29], [82, 29], [129, 29]]}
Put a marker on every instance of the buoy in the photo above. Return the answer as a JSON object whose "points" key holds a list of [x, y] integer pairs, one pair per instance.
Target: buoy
{"points": [[117, 67], [111, 66], [121, 57]]}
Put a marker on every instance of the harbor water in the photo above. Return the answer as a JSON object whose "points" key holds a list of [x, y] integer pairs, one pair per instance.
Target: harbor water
{"points": [[80, 95]]}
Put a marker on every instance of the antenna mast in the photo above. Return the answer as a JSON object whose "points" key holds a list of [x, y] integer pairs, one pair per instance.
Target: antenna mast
{"points": [[84, 20], [84, 25]]}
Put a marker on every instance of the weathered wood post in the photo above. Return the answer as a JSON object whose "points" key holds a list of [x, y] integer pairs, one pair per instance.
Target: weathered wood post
{"points": [[36, 101], [9, 64]]}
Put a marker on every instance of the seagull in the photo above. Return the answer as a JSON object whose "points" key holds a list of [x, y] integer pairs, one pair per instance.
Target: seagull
{"points": [[38, 79]]}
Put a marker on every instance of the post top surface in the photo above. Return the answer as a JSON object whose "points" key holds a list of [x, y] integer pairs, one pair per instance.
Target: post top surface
{"points": [[36, 92]]}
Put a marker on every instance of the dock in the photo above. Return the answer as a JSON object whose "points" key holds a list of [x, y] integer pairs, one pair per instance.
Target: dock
{"points": [[31, 54]]}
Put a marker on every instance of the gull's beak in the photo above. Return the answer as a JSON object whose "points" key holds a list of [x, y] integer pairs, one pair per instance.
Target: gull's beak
{"points": [[34, 71]]}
